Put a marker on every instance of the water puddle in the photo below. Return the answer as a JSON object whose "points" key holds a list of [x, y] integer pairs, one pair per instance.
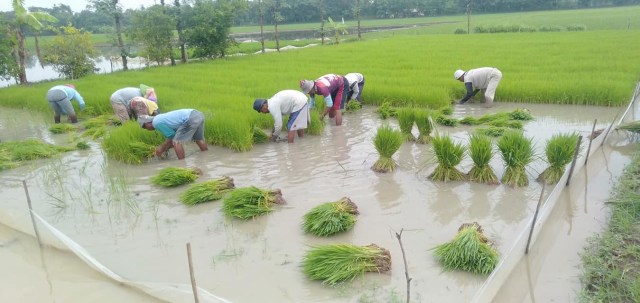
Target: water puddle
{"points": [[139, 231]]}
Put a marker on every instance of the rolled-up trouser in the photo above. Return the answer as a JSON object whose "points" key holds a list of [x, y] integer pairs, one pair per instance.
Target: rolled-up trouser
{"points": [[490, 92], [339, 96], [192, 129], [120, 108], [60, 103]]}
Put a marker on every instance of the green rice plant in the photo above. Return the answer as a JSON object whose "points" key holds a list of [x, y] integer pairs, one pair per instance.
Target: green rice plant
{"points": [[448, 155], [61, 128], [352, 107], [207, 191], [387, 142], [100, 121], [517, 153], [131, 144], [521, 114], [491, 131], [424, 124], [175, 176], [248, 202], [633, 127], [470, 251], [492, 117], [559, 151], [337, 263], [95, 132], [316, 126], [481, 152], [406, 118], [82, 145], [14, 153], [515, 124], [331, 218], [386, 110], [468, 120], [446, 120], [259, 135], [141, 150], [446, 110]]}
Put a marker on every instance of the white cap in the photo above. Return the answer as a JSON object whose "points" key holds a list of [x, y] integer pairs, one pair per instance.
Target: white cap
{"points": [[459, 73]]}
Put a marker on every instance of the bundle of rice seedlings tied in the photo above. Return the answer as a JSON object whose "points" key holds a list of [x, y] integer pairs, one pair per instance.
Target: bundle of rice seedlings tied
{"points": [[448, 155], [559, 151], [337, 263], [406, 118], [481, 152], [141, 151], [446, 120], [259, 135], [61, 128], [387, 142], [175, 176], [331, 218], [517, 153], [522, 114], [207, 191], [470, 251], [491, 131], [424, 124], [386, 110], [249, 202]]}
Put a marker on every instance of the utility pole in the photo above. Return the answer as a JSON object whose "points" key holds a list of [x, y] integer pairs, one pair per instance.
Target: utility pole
{"points": [[469, 17]]}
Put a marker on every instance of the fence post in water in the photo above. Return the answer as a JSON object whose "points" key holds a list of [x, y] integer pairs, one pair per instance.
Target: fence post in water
{"points": [[33, 221], [575, 157], [593, 129], [193, 278], [535, 217]]}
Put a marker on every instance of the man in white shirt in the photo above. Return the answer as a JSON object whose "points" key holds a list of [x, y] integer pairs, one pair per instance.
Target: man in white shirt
{"points": [[286, 102], [486, 78], [356, 85]]}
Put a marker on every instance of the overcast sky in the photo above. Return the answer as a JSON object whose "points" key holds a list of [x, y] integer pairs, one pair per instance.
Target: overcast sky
{"points": [[76, 5]]}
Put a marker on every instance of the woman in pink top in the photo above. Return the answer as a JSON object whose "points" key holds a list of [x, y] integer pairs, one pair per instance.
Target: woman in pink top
{"points": [[334, 88]]}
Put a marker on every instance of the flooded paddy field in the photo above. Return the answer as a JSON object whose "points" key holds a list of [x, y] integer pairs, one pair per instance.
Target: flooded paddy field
{"points": [[139, 231]]}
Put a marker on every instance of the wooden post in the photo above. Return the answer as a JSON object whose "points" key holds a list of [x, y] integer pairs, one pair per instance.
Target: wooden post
{"points": [[535, 217], [193, 278], [593, 129], [33, 220], [406, 268], [575, 157]]}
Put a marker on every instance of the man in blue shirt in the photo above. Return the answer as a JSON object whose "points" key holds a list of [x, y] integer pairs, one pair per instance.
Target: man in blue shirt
{"points": [[60, 97], [177, 126]]}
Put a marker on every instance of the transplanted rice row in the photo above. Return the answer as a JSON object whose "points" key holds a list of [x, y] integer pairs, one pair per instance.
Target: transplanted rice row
{"points": [[249, 202], [331, 218], [470, 251], [207, 191], [337, 263]]}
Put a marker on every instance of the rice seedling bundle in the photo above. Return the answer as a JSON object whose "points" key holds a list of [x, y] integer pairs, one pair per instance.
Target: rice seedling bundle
{"points": [[425, 125], [406, 118], [337, 263], [470, 251], [141, 150], [95, 132], [352, 107], [82, 145], [447, 110], [259, 136], [446, 120], [491, 117], [517, 152], [481, 152], [515, 124], [248, 202], [386, 110], [331, 218], [491, 131], [521, 114], [316, 126], [207, 191], [100, 121], [559, 151], [448, 154], [633, 127], [61, 128], [387, 142], [30, 149], [468, 120], [175, 176]]}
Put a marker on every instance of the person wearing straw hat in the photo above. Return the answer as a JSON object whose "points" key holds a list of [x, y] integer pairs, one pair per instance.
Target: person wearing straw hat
{"points": [[122, 105], [286, 102], [356, 85], [334, 88], [485, 78], [60, 97], [177, 127]]}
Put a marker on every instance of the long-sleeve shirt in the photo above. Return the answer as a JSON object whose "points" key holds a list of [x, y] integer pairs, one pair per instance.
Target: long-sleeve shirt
{"points": [[72, 94], [328, 85], [354, 79], [168, 123], [284, 103], [475, 80], [124, 95]]}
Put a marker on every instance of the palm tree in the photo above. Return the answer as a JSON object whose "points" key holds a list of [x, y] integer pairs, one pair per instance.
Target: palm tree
{"points": [[25, 19]]}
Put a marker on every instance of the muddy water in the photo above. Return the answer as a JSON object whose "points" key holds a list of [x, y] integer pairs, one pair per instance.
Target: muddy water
{"points": [[139, 231]]}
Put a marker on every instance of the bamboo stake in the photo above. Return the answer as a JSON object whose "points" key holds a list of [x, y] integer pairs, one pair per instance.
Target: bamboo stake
{"points": [[33, 221], [593, 129], [575, 157], [535, 217], [193, 277], [406, 268]]}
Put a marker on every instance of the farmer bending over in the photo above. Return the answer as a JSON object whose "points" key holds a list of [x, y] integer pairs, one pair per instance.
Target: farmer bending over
{"points": [[123, 107], [286, 102], [334, 88], [356, 85], [486, 78], [60, 97], [177, 126]]}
